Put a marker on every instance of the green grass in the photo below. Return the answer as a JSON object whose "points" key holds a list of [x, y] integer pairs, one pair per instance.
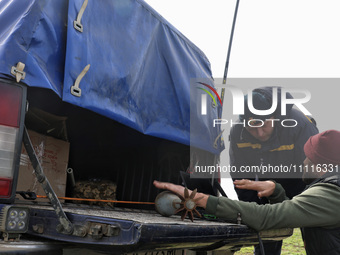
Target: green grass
{"points": [[291, 246]]}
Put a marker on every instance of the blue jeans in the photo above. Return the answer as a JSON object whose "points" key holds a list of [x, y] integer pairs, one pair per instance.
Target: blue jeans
{"points": [[270, 248]]}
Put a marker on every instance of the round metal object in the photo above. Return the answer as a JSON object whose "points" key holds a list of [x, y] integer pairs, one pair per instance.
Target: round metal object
{"points": [[167, 203], [190, 204]]}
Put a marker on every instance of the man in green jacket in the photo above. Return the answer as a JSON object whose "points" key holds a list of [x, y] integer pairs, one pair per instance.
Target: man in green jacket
{"points": [[315, 210]]}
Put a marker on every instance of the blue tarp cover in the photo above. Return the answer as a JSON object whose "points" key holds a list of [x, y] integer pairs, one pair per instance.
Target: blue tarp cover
{"points": [[140, 65]]}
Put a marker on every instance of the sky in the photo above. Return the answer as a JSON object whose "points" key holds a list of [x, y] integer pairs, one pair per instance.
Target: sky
{"points": [[272, 39]]}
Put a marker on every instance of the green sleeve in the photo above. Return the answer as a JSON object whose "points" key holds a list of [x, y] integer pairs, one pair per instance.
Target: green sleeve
{"points": [[279, 194], [316, 207]]}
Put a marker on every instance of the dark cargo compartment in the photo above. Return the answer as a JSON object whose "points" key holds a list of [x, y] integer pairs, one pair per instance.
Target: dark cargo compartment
{"points": [[103, 149]]}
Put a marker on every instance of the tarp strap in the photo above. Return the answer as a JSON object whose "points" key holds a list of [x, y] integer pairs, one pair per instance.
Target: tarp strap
{"points": [[217, 138], [75, 90], [18, 71], [77, 23]]}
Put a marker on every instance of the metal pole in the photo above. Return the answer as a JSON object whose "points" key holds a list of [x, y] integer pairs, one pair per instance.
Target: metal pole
{"points": [[230, 43], [228, 54], [227, 67]]}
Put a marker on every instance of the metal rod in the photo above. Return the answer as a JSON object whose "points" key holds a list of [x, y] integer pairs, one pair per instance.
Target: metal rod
{"points": [[70, 174], [230, 43], [226, 68], [50, 194]]}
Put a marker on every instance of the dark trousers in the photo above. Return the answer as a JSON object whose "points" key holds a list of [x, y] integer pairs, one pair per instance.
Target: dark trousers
{"points": [[270, 248]]}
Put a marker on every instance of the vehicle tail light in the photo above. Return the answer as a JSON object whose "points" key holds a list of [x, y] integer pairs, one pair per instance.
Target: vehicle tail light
{"points": [[12, 107]]}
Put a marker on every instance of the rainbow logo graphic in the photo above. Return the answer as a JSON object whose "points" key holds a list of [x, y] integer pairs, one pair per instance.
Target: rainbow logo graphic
{"points": [[204, 97], [209, 93]]}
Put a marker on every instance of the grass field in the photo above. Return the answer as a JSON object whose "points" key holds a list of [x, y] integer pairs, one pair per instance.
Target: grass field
{"points": [[291, 246]]}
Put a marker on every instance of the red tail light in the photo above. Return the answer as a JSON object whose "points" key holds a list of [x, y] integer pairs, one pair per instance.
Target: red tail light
{"points": [[10, 105], [5, 187], [11, 124]]}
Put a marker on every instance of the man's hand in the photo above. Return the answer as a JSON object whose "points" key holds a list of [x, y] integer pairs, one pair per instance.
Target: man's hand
{"points": [[263, 188], [177, 189]]}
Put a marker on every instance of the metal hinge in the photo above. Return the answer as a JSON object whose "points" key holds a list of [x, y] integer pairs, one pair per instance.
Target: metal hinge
{"points": [[18, 71]]}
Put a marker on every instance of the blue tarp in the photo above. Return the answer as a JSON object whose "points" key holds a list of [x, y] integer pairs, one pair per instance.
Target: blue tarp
{"points": [[140, 65]]}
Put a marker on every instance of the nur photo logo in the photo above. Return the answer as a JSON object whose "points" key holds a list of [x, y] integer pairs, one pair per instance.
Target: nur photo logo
{"points": [[204, 100]]}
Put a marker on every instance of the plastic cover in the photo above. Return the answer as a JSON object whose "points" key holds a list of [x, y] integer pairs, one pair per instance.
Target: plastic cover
{"points": [[140, 65]]}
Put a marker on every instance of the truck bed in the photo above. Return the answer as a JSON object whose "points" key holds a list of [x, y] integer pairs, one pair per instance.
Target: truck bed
{"points": [[136, 215], [143, 230]]}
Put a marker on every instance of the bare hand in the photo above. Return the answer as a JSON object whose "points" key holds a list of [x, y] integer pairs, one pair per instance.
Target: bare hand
{"points": [[179, 190], [263, 188]]}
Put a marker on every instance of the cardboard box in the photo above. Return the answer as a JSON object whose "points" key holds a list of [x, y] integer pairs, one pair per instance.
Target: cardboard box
{"points": [[53, 155]]}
